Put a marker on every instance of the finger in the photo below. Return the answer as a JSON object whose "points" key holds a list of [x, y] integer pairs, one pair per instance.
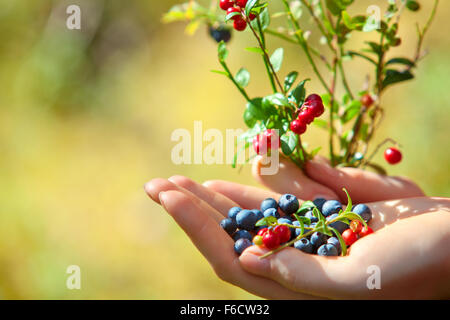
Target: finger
{"points": [[246, 197], [363, 186], [217, 246], [156, 187], [315, 275], [291, 179], [217, 200]]}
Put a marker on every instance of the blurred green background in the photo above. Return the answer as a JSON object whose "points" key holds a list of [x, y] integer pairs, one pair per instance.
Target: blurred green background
{"points": [[86, 118]]}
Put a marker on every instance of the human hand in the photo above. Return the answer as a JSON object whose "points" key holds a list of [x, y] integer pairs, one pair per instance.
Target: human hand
{"points": [[321, 180], [291, 274]]}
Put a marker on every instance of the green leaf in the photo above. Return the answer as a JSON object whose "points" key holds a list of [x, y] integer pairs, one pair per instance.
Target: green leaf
{"points": [[289, 80], [302, 222], [299, 93], [232, 15], [242, 77], [349, 202], [336, 6], [267, 221], [289, 142], [255, 108], [354, 216], [220, 72], [277, 59], [276, 99], [250, 5], [318, 214], [255, 49], [351, 111], [403, 61], [315, 151], [264, 17], [223, 51], [249, 118], [341, 241], [322, 227], [394, 76], [357, 54]]}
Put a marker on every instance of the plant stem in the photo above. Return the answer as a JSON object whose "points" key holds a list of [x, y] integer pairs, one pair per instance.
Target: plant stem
{"points": [[263, 42], [230, 76], [332, 111], [302, 42]]}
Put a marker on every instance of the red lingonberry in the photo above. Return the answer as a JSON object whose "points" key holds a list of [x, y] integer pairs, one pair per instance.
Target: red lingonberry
{"points": [[365, 231], [241, 3], [226, 4], [262, 231], [298, 127], [240, 24], [356, 226], [269, 135], [349, 237], [235, 9], [393, 155], [367, 100], [257, 146], [306, 116], [283, 232], [258, 240], [252, 16], [317, 107], [271, 240], [313, 97]]}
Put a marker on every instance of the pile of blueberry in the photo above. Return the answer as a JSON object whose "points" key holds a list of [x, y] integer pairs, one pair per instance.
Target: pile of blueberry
{"points": [[241, 225]]}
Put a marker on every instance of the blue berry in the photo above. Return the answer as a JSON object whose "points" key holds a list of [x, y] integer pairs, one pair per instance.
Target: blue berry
{"points": [[271, 212], [330, 207], [311, 216], [259, 215], [364, 211], [228, 225], [232, 213], [318, 202], [318, 239], [241, 245], [242, 234], [288, 204], [269, 203], [335, 242], [304, 245], [246, 220], [220, 33], [338, 225], [327, 250]]}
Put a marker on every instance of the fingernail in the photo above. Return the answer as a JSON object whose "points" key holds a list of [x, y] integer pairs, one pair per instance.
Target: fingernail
{"points": [[161, 198]]}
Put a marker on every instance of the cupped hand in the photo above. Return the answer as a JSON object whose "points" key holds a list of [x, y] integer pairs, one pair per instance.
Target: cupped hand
{"points": [[322, 180], [404, 260]]}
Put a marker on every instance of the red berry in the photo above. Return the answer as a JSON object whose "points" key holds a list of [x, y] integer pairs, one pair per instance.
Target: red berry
{"points": [[283, 232], [240, 24], [306, 116], [226, 4], [235, 9], [241, 3], [365, 231], [270, 134], [298, 127], [393, 155], [257, 145], [271, 240], [262, 231], [317, 107], [367, 100], [356, 226], [252, 16], [313, 97], [349, 237]]}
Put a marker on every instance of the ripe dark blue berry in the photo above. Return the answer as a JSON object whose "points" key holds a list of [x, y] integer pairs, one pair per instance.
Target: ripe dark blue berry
{"points": [[288, 204], [318, 202], [271, 212], [364, 211], [304, 245], [241, 245], [242, 234], [221, 33], [246, 220], [335, 242], [232, 213], [327, 250], [318, 239], [330, 207], [338, 225], [269, 203], [311, 216], [228, 225]]}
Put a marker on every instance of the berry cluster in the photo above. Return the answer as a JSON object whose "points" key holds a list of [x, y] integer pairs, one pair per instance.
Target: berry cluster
{"points": [[312, 108], [245, 228], [236, 7], [262, 143]]}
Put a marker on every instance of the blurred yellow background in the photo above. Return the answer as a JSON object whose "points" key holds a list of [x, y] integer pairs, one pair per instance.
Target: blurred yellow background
{"points": [[86, 119]]}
